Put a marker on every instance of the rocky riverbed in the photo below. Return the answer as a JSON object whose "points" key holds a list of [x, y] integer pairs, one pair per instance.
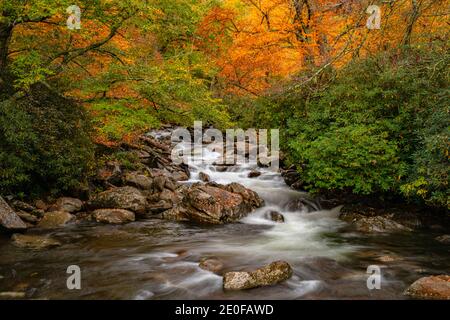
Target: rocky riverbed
{"points": [[166, 231]]}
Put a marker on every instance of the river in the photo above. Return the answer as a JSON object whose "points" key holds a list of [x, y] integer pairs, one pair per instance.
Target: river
{"points": [[158, 259]]}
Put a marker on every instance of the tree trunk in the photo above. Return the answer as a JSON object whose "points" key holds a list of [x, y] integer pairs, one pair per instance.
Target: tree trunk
{"points": [[409, 28]]}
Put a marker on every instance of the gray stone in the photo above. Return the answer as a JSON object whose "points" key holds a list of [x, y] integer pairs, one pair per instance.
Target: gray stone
{"points": [[9, 218], [214, 204], [127, 198], [271, 274], [138, 180]]}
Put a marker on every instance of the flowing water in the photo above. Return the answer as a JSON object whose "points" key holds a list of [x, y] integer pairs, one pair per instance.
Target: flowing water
{"points": [[157, 259]]}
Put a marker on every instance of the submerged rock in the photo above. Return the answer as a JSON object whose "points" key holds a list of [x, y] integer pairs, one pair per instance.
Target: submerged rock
{"points": [[113, 216], [214, 204], [127, 198], [9, 218], [302, 204], [55, 219], [34, 242], [271, 274], [434, 287], [211, 264]]}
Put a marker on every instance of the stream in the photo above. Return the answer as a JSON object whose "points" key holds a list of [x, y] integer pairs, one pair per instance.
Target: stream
{"points": [[158, 259]]}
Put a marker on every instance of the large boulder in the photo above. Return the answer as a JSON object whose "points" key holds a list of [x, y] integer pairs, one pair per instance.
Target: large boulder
{"points": [[55, 219], [165, 200], [249, 197], [138, 180], [67, 204], [214, 204], [34, 242], [9, 218], [271, 274], [434, 287], [127, 198], [113, 216]]}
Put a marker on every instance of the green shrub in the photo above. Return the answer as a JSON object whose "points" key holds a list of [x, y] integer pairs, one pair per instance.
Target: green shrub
{"points": [[379, 125], [45, 143]]}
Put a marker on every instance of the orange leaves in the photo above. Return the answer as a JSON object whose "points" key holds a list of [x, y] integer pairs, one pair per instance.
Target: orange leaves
{"points": [[258, 42]]}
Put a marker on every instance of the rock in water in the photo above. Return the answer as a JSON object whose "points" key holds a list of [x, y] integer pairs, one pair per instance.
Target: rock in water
{"points": [[55, 219], [113, 216], [214, 204], [379, 224], [127, 198], [434, 287], [34, 242], [373, 223], [271, 274], [275, 216], [204, 177], [9, 218], [211, 264], [238, 281], [254, 174], [67, 204]]}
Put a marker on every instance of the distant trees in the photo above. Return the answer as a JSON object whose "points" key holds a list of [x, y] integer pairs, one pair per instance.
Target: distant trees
{"points": [[270, 40]]}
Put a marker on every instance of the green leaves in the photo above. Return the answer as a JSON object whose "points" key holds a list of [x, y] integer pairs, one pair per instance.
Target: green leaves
{"points": [[28, 69], [381, 126], [353, 157]]}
